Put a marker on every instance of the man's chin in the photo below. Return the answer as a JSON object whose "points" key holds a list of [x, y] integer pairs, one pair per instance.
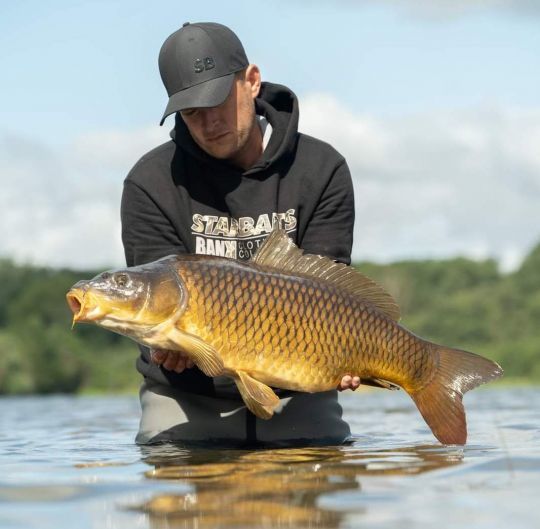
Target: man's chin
{"points": [[221, 152]]}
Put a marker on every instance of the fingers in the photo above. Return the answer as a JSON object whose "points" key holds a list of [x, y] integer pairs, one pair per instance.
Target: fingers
{"points": [[158, 356], [180, 364], [345, 383], [171, 360], [349, 382]]}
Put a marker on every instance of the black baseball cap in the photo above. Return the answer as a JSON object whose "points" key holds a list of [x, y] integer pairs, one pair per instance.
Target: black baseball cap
{"points": [[197, 64]]}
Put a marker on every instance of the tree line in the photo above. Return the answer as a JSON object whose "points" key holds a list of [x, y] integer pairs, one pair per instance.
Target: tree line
{"points": [[459, 302]]}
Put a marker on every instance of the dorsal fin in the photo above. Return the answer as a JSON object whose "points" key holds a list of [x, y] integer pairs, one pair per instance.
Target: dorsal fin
{"points": [[280, 253]]}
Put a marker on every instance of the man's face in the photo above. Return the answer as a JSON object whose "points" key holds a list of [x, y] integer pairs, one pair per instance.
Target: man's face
{"points": [[223, 131]]}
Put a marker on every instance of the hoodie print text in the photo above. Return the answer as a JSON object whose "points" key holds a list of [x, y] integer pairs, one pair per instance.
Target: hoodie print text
{"points": [[237, 238]]}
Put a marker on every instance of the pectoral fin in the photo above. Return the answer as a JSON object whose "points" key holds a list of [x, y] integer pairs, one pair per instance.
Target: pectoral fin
{"points": [[258, 397], [204, 355]]}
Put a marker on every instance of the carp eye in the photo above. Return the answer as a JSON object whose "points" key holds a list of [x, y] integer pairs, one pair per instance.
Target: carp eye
{"points": [[121, 280]]}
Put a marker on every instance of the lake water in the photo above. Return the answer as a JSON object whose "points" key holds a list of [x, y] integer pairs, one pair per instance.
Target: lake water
{"points": [[70, 462]]}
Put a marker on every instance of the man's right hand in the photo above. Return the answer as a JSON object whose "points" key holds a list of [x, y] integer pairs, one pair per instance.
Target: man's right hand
{"points": [[171, 360]]}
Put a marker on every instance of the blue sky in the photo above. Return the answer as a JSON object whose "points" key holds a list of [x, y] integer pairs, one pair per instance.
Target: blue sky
{"points": [[75, 65], [461, 76]]}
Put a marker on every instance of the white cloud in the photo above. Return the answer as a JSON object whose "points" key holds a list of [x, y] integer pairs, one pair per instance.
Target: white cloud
{"points": [[438, 184], [117, 150], [428, 185], [61, 208]]}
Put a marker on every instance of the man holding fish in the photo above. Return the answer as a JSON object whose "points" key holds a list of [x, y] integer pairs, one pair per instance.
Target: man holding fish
{"points": [[235, 169], [247, 341]]}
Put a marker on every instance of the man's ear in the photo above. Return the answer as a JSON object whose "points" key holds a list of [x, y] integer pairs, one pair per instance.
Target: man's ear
{"points": [[253, 77]]}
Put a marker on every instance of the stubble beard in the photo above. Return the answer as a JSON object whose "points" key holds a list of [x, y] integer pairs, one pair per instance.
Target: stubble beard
{"points": [[240, 142]]}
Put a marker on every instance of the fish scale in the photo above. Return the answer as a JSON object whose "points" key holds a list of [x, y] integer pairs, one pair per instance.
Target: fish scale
{"points": [[261, 321]]}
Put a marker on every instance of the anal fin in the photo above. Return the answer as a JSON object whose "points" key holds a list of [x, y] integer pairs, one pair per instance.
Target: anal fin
{"points": [[259, 398], [378, 383]]}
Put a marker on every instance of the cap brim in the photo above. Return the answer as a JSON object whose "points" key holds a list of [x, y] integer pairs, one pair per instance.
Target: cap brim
{"points": [[208, 94]]}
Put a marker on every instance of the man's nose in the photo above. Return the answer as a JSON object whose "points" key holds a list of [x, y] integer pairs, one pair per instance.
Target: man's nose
{"points": [[209, 116]]}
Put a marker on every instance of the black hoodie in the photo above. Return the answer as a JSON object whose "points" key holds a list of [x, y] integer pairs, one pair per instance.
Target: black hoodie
{"points": [[178, 199]]}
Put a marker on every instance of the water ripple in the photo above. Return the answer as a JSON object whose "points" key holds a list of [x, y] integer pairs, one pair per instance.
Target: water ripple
{"points": [[71, 462]]}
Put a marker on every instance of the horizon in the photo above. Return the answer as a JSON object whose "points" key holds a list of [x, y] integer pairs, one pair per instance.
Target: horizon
{"points": [[355, 263]]}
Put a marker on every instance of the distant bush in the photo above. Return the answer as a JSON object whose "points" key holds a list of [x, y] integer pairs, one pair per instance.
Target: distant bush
{"points": [[39, 353]]}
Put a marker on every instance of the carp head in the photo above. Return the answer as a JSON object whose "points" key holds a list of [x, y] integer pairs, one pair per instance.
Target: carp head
{"points": [[131, 301]]}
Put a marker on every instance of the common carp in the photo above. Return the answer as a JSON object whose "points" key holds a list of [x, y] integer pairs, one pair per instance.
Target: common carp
{"points": [[285, 319]]}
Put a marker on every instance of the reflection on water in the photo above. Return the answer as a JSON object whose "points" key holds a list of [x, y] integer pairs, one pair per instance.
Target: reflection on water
{"points": [[71, 462], [272, 488]]}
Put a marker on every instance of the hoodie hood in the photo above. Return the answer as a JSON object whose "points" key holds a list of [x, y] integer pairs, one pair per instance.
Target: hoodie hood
{"points": [[279, 105]]}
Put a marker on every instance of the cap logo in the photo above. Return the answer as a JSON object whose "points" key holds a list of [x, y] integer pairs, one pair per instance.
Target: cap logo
{"points": [[200, 65]]}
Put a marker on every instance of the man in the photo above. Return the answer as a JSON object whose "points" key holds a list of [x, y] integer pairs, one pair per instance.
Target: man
{"points": [[235, 168]]}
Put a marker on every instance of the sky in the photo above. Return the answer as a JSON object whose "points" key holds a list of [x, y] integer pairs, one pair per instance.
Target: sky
{"points": [[435, 105]]}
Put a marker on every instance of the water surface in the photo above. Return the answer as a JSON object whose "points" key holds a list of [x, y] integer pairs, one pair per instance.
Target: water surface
{"points": [[71, 462]]}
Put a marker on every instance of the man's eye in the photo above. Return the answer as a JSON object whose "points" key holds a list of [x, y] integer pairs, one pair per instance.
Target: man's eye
{"points": [[189, 112]]}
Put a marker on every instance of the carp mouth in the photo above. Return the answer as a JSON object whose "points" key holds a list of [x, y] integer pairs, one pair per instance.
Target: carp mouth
{"points": [[75, 300]]}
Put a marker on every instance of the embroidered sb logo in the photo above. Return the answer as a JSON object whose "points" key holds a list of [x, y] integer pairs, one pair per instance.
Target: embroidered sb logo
{"points": [[204, 64]]}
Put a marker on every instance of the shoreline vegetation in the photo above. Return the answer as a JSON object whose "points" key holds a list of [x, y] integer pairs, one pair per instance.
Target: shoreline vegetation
{"points": [[458, 302]]}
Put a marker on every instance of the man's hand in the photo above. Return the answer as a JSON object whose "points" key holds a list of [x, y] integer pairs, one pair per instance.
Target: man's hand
{"points": [[349, 382], [171, 360]]}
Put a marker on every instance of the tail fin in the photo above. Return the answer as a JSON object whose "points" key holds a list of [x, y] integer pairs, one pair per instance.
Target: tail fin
{"points": [[440, 402]]}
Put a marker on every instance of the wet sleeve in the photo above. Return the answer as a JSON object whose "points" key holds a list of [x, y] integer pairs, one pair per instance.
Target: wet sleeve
{"points": [[330, 229], [147, 234]]}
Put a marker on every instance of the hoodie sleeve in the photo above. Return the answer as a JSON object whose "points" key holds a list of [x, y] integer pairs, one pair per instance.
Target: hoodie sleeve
{"points": [[147, 234], [330, 229]]}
